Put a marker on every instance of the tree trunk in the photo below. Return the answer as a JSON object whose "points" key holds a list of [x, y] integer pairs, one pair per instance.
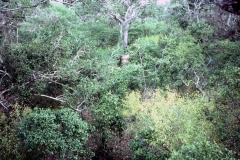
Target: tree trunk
{"points": [[125, 35]]}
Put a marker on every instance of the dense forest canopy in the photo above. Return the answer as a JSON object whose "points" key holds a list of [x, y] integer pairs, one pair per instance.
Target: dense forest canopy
{"points": [[120, 79]]}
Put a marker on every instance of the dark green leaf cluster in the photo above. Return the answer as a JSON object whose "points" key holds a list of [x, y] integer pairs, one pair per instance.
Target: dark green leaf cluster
{"points": [[142, 148], [47, 132]]}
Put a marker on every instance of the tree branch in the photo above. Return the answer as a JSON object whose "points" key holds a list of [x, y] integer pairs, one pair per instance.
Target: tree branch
{"points": [[196, 82], [61, 99], [50, 97], [2, 104], [5, 73]]}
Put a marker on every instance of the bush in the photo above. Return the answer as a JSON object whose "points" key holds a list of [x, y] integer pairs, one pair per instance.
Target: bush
{"points": [[169, 58], [47, 132], [205, 150], [176, 120], [41, 52], [10, 144], [103, 35], [143, 150]]}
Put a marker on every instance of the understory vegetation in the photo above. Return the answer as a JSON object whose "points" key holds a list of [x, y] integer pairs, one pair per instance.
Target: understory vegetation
{"points": [[65, 94]]}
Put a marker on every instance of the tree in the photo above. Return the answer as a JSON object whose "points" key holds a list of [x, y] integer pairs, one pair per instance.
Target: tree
{"points": [[123, 12]]}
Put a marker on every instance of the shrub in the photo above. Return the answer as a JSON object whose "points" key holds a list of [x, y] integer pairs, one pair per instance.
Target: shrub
{"points": [[10, 144], [205, 150], [176, 120], [143, 150], [48, 132]]}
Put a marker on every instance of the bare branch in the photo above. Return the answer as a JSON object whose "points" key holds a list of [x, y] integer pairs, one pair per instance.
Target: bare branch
{"points": [[5, 73], [196, 82], [1, 93], [77, 110], [61, 99], [50, 97], [116, 17], [210, 60], [81, 104], [187, 84], [2, 104]]}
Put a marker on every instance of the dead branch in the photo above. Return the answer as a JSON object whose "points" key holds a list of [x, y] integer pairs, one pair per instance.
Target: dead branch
{"points": [[210, 60], [61, 99], [2, 104], [187, 84], [1, 93], [81, 103], [4, 74], [50, 97], [196, 82]]}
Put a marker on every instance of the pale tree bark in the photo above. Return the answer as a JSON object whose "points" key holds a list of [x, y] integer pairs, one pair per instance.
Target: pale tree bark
{"points": [[127, 17], [125, 35]]}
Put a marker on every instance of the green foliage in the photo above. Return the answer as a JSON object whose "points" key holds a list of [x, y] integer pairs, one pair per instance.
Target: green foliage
{"points": [[227, 125], [46, 42], [108, 122], [224, 69], [142, 150], [10, 144], [170, 58], [108, 113], [25, 64], [176, 120], [12, 14], [149, 28], [70, 54], [201, 31], [98, 76], [205, 150], [89, 10], [57, 26], [48, 132], [102, 35]]}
